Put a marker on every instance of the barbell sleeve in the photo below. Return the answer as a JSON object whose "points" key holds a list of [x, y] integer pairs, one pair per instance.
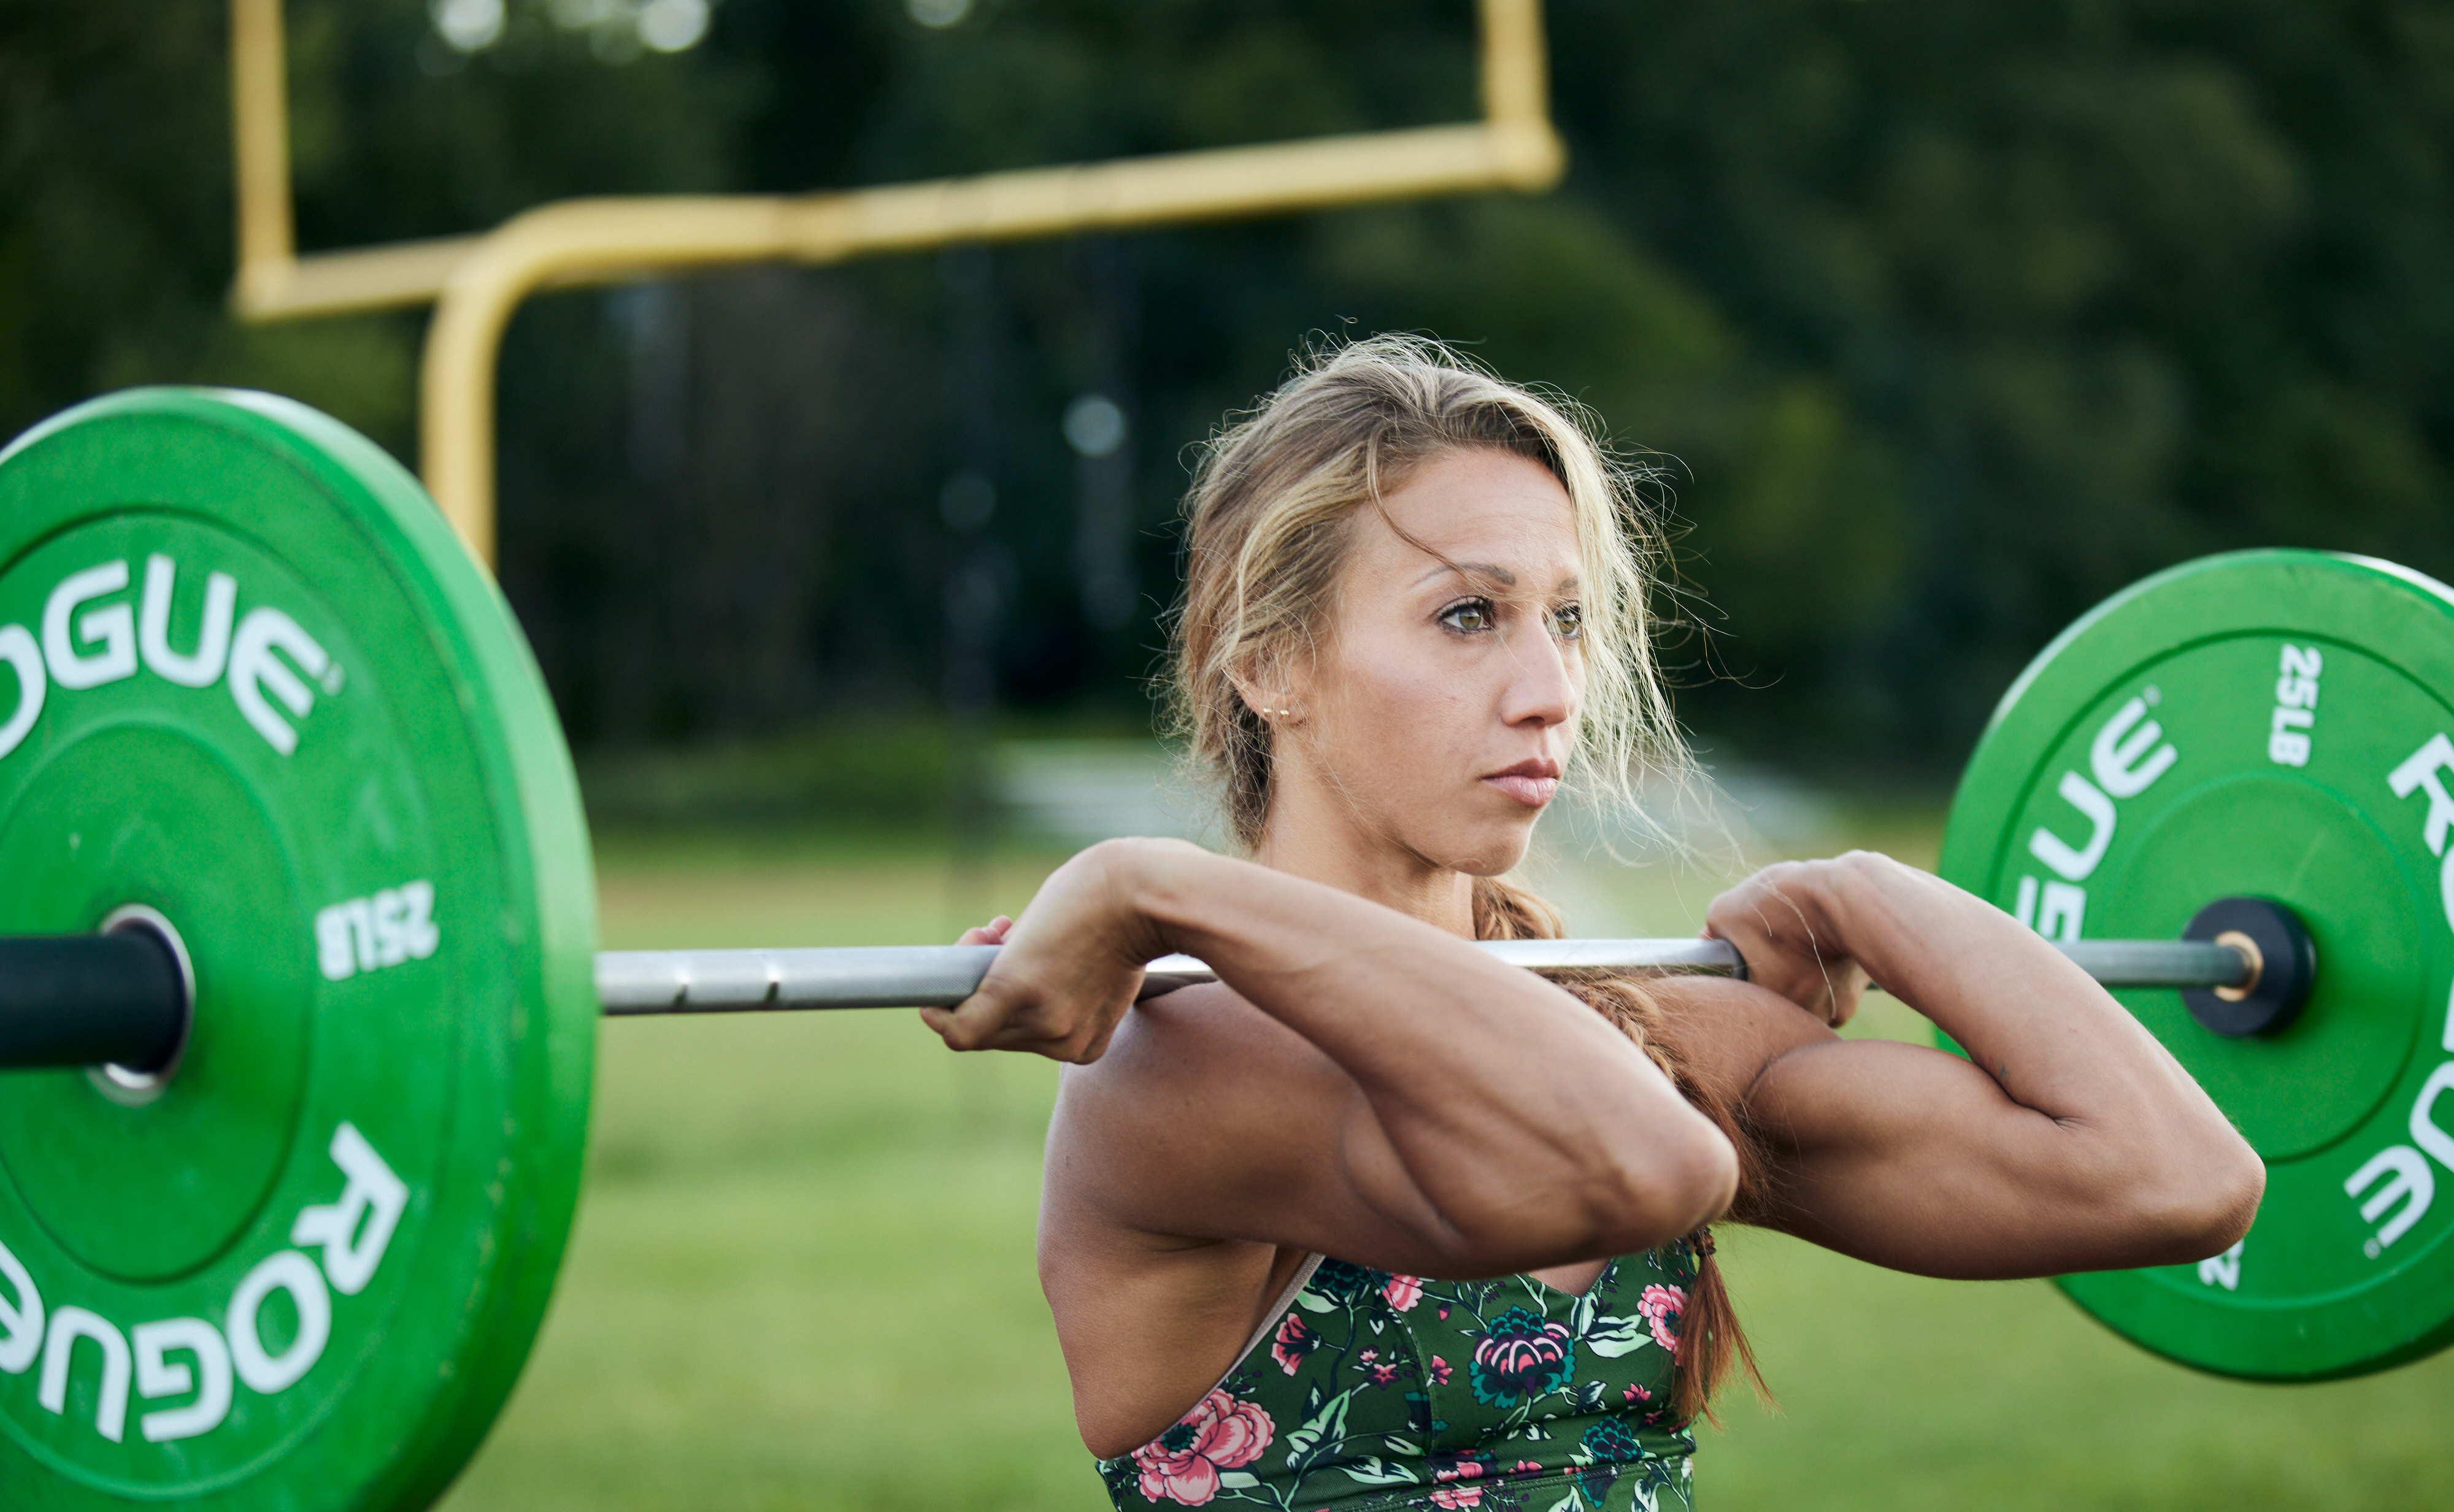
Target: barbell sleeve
{"points": [[2186, 963], [88, 999]]}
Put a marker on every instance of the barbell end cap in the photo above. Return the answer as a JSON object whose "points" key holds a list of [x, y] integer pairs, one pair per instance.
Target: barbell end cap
{"points": [[2283, 962]]}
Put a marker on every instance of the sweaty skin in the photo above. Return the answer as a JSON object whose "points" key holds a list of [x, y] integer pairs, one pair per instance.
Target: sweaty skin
{"points": [[1364, 1083]]}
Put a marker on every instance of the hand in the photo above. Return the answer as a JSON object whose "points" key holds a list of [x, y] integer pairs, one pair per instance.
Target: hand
{"points": [[1068, 969], [1781, 919]]}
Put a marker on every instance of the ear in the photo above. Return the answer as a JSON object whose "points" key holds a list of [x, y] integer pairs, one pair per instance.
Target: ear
{"points": [[1251, 692], [1266, 702], [1272, 688]]}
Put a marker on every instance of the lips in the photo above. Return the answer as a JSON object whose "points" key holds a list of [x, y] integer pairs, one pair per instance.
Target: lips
{"points": [[1530, 783]]}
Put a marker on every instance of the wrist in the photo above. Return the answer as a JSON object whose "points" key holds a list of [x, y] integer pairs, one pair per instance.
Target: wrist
{"points": [[1149, 880], [1862, 889]]}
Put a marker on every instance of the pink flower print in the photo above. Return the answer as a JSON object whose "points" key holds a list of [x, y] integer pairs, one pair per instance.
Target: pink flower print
{"points": [[1292, 1342], [1440, 1371], [1444, 1312], [1371, 1354], [1527, 1466], [1403, 1292], [1522, 1354], [1660, 1306], [1467, 1468], [1182, 1464], [1637, 1393], [1457, 1496], [1384, 1375]]}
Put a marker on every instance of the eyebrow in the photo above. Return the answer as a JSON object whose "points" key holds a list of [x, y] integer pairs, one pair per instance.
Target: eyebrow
{"points": [[1494, 573]]}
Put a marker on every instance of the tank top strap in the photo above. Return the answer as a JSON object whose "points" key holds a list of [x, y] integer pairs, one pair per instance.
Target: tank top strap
{"points": [[1287, 1295]]}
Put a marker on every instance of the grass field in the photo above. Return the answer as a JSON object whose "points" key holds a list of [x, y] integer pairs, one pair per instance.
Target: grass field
{"points": [[802, 1279]]}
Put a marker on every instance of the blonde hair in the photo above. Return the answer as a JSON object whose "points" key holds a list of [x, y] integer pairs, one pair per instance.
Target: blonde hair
{"points": [[1269, 522]]}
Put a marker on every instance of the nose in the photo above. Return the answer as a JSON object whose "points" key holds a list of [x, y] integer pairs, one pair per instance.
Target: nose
{"points": [[1542, 688]]}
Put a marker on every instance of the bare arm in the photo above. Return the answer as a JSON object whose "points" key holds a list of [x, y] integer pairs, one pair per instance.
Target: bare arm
{"points": [[1362, 1085], [2070, 1139]]}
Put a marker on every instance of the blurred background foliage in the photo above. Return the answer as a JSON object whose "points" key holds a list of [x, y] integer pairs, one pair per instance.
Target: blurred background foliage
{"points": [[1943, 319]]}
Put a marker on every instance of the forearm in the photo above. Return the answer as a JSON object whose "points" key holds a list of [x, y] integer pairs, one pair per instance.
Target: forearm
{"points": [[2053, 1038]]}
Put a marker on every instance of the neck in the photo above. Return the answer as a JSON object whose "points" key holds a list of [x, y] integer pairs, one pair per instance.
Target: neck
{"points": [[1313, 834]]}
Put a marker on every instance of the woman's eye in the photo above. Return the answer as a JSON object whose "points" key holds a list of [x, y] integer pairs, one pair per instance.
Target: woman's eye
{"points": [[1568, 621], [1472, 615]]}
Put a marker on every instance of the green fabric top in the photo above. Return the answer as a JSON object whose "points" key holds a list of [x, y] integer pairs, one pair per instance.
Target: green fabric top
{"points": [[1375, 1392]]}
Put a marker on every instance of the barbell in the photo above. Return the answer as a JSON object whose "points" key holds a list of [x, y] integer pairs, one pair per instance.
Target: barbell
{"points": [[299, 990], [122, 998]]}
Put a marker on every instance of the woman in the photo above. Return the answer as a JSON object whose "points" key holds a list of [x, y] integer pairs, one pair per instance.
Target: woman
{"points": [[1415, 599]]}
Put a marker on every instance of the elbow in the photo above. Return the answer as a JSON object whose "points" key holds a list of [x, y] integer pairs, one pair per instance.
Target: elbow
{"points": [[1680, 1176], [2207, 1205], [1683, 1186], [2232, 1203]]}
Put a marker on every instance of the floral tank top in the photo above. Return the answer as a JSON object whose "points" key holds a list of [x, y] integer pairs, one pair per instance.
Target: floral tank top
{"points": [[1374, 1392]]}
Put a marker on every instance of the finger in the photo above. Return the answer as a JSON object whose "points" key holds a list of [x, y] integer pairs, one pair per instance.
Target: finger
{"points": [[1848, 984], [962, 1035], [1098, 1045], [976, 1023], [996, 1018]]}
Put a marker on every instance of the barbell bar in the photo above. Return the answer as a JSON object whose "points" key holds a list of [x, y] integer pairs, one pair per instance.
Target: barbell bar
{"points": [[119, 998], [83, 999], [292, 1248], [648, 981]]}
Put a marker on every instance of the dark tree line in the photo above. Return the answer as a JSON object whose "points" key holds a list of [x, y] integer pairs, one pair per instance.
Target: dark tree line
{"points": [[1945, 319]]}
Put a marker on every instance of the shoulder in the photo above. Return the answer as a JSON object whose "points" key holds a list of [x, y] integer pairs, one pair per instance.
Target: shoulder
{"points": [[1202, 1035], [1187, 1077], [1728, 1032]]}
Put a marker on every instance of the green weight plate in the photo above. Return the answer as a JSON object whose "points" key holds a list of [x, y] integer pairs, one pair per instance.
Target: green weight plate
{"points": [[2271, 724], [249, 681]]}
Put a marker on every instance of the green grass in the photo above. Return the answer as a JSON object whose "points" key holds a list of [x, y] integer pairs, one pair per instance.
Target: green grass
{"points": [[802, 1278], [1899, 1392]]}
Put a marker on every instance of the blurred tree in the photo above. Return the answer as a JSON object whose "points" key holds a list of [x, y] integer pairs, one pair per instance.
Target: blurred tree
{"points": [[2092, 288], [115, 225], [1939, 321]]}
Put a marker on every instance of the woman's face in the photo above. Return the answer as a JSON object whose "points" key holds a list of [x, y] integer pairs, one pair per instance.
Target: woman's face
{"points": [[1441, 706]]}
